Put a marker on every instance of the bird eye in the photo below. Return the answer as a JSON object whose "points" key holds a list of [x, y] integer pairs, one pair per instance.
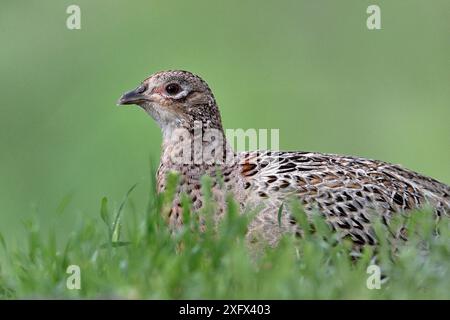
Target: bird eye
{"points": [[173, 88]]}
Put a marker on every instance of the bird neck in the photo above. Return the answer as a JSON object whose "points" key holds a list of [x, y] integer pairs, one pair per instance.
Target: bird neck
{"points": [[198, 145]]}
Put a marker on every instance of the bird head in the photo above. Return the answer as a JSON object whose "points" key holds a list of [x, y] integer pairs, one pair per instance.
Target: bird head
{"points": [[175, 99]]}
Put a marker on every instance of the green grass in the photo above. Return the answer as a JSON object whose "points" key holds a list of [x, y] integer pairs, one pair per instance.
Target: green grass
{"points": [[130, 253]]}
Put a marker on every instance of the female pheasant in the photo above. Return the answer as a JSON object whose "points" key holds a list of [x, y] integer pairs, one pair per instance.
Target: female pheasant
{"points": [[347, 191]]}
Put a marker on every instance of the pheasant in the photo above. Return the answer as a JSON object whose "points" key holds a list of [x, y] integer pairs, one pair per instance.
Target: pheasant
{"points": [[348, 191]]}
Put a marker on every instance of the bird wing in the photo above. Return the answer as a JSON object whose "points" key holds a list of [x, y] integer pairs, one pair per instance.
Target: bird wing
{"points": [[346, 190]]}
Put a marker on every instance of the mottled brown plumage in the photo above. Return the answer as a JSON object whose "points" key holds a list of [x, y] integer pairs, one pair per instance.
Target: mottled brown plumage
{"points": [[347, 191]]}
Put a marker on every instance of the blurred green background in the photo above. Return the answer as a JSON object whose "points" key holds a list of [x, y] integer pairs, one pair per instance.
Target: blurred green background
{"points": [[310, 68]]}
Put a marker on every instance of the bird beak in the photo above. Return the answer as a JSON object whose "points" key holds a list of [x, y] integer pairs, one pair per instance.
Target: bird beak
{"points": [[131, 97]]}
